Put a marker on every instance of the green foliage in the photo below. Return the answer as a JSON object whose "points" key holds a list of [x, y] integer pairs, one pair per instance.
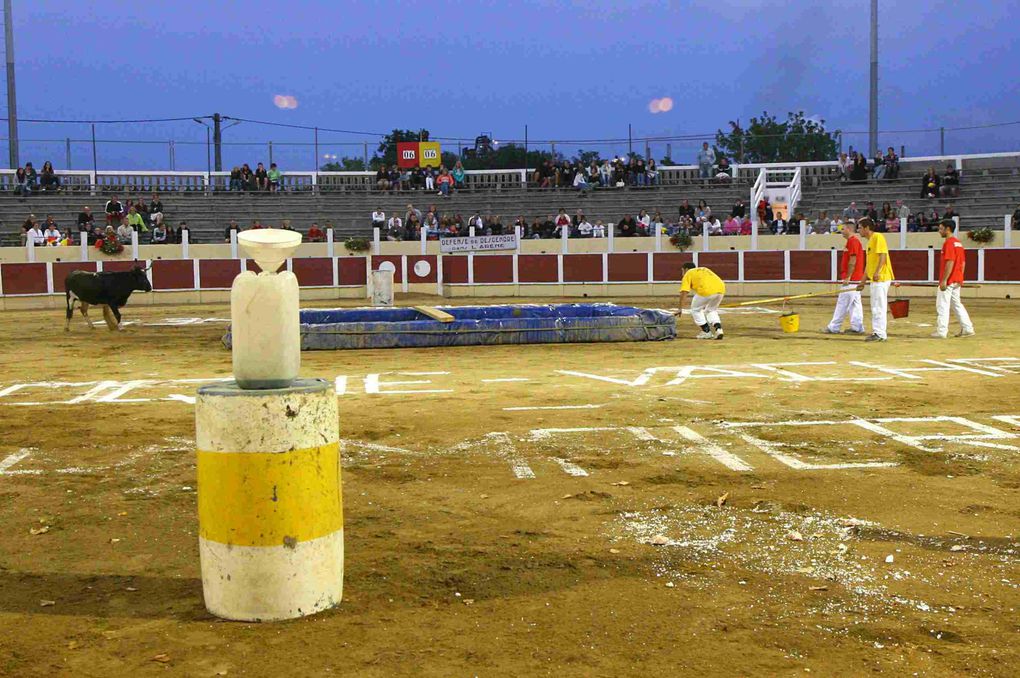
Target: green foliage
{"points": [[506, 156], [982, 235], [345, 165], [111, 246], [681, 240], [357, 244], [766, 139]]}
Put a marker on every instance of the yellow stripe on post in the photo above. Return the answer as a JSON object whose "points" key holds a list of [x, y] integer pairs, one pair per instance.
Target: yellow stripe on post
{"points": [[269, 499]]}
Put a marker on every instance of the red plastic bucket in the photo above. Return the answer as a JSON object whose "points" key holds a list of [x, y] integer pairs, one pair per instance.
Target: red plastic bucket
{"points": [[900, 308]]}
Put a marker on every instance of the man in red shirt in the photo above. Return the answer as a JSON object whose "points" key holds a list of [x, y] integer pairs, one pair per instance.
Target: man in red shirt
{"points": [[952, 264], [851, 271]]}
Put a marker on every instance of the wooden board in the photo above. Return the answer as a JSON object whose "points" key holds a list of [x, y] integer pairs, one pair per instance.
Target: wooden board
{"points": [[434, 313]]}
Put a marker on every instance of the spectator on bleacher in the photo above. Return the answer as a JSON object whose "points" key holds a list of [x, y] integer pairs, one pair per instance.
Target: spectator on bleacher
{"points": [[124, 231], [902, 211], [878, 167], [652, 172], [261, 178], [732, 225], [429, 177], [644, 223], [739, 209], [639, 172], [859, 169], [891, 161], [156, 210], [845, 166], [851, 212], [658, 223], [892, 224], [382, 178], [51, 235], [931, 219], [706, 160], [159, 234], [274, 177], [1014, 221], [48, 179], [475, 221], [406, 179], [950, 182], [378, 218], [232, 226], [544, 175], [410, 211], [598, 229], [141, 208], [605, 174], [182, 231], [458, 175], [779, 225], [114, 211], [255, 225], [430, 223], [686, 210], [85, 220], [412, 227], [394, 228], [247, 179], [21, 186], [31, 178], [136, 222], [235, 179], [561, 221], [822, 225], [584, 229], [930, 184], [886, 210], [580, 180], [704, 212], [950, 212], [714, 226], [746, 226], [444, 181], [396, 177], [723, 171], [871, 212], [628, 227]]}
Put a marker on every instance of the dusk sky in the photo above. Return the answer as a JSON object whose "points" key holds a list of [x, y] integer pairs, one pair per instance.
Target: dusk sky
{"points": [[568, 70]]}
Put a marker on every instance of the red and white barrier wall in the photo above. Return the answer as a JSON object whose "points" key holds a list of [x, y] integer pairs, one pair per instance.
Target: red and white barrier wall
{"points": [[505, 274]]}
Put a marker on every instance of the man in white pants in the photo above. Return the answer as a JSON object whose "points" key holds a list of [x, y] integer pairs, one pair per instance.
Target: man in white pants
{"points": [[851, 270], [953, 263], [878, 271], [709, 290]]}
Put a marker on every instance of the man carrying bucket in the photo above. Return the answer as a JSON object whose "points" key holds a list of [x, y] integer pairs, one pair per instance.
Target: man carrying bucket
{"points": [[708, 291], [953, 263], [851, 270], [879, 273]]}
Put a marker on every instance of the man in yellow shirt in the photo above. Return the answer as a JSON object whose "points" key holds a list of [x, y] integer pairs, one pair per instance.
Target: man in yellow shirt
{"points": [[709, 290], [878, 271]]}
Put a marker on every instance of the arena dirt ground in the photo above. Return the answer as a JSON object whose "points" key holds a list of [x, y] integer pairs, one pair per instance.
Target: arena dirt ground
{"points": [[703, 528]]}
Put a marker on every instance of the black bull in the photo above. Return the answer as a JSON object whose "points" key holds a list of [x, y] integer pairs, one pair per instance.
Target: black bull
{"points": [[109, 290]]}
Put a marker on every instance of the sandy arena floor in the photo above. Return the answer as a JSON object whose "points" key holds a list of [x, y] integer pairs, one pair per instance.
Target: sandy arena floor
{"points": [[600, 510]]}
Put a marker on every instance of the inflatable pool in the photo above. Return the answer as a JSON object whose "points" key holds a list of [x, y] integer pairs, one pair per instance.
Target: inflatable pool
{"points": [[330, 329]]}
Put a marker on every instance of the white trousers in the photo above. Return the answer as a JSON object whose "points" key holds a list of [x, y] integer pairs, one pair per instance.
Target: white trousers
{"points": [[430, 183], [950, 300], [848, 303], [878, 293], [706, 309]]}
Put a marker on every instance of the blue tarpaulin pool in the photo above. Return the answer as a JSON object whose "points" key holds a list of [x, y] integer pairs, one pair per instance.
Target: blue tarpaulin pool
{"points": [[326, 329]]}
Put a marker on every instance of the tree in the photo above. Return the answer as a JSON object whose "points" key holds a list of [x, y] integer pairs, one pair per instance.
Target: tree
{"points": [[506, 156], [345, 165], [766, 139]]}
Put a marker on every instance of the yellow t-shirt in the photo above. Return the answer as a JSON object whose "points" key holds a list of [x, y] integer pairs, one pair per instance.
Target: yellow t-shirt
{"points": [[703, 281], [877, 246]]}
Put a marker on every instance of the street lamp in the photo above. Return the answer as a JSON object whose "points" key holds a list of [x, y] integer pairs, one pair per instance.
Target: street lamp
{"points": [[208, 145]]}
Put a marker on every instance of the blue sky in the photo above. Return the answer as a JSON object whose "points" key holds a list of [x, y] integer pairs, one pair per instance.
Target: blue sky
{"points": [[569, 70]]}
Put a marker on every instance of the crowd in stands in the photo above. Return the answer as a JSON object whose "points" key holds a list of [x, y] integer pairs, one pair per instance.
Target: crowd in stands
{"points": [[244, 179]]}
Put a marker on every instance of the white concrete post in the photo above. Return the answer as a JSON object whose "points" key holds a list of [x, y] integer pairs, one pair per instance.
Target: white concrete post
{"points": [[956, 227], [471, 231], [803, 235], [611, 234], [30, 245], [84, 246], [754, 234], [519, 230], [233, 243], [704, 236], [658, 238], [424, 239], [903, 233], [1007, 234], [375, 240], [270, 509], [185, 241], [329, 243], [564, 234], [134, 244], [740, 266]]}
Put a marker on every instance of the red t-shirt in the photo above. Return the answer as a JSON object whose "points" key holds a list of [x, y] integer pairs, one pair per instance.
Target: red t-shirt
{"points": [[853, 249], [952, 250]]}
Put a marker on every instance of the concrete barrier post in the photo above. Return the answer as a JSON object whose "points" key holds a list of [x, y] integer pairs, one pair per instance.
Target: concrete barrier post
{"points": [[233, 243], [375, 240], [424, 240], [134, 245], [903, 233], [802, 236], [269, 502], [30, 250], [1007, 234], [185, 241], [329, 243], [84, 243]]}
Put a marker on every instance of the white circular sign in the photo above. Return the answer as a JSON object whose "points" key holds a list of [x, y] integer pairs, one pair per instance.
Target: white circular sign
{"points": [[388, 266], [422, 268]]}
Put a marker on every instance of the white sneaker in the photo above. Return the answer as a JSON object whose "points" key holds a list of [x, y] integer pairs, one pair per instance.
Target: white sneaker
{"points": [[937, 335], [964, 333], [705, 335], [826, 330], [719, 334]]}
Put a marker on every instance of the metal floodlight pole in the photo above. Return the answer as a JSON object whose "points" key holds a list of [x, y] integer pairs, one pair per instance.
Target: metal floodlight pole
{"points": [[67, 149], [525, 147], [218, 140], [315, 165], [12, 105], [873, 117], [95, 161]]}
